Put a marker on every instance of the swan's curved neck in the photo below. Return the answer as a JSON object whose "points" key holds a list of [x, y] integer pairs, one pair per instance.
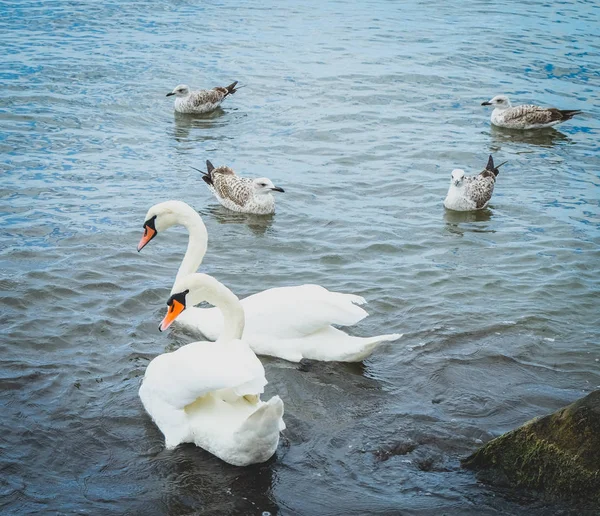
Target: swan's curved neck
{"points": [[225, 300], [197, 245]]}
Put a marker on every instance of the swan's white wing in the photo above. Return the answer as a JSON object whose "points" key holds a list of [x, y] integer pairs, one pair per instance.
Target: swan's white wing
{"points": [[180, 377], [331, 344], [294, 312], [286, 312], [206, 321]]}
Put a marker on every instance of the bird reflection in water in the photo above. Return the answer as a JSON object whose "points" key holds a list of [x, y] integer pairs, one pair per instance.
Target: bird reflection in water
{"points": [[454, 219], [542, 137], [258, 224], [184, 123], [195, 479]]}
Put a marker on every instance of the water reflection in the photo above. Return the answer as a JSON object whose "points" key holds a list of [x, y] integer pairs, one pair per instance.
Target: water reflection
{"points": [[258, 224], [185, 123], [194, 474], [543, 137], [69, 249], [454, 219]]}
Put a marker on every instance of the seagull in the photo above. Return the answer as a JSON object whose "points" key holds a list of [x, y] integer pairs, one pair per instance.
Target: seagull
{"points": [[526, 116], [471, 193], [202, 101], [240, 193]]}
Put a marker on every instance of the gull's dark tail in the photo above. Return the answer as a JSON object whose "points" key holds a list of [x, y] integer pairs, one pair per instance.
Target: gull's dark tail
{"points": [[490, 166], [567, 114], [206, 176]]}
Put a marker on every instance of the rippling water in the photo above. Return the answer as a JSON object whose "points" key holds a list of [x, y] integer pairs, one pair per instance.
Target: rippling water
{"points": [[360, 111]]}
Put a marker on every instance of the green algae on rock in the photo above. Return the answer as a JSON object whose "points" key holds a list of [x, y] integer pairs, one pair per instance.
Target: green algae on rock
{"points": [[557, 455]]}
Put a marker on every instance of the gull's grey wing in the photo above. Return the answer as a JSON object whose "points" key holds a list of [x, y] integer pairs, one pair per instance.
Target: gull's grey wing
{"points": [[226, 171], [480, 188], [486, 174], [229, 186], [533, 115], [199, 98]]}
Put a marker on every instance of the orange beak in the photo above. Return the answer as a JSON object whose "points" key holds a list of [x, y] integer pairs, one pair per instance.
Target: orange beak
{"points": [[148, 235], [174, 310]]}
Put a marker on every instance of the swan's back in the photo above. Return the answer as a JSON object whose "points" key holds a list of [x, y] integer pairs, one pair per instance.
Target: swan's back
{"points": [[294, 312], [180, 377]]}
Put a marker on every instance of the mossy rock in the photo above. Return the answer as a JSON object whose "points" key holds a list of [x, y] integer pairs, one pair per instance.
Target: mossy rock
{"points": [[557, 455]]}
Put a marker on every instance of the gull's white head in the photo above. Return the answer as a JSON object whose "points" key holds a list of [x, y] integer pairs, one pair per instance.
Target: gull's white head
{"points": [[458, 176], [499, 102], [263, 186], [182, 90]]}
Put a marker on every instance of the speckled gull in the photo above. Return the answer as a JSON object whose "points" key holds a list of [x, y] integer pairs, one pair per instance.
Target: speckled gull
{"points": [[526, 116], [240, 193], [471, 193], [201, 101]]}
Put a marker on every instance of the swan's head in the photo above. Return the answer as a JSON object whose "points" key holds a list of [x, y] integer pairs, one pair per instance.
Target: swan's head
{"points": [[263, 186], [182, 90], [176, 303], [192, 290], [499, 101], [458, 176], [162, 216]]}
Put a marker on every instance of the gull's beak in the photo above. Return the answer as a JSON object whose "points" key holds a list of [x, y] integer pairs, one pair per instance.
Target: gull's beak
{"points": [[486, 103], [456, 183], [148, 235], [277, 189], [174, 310], [169, 94]]}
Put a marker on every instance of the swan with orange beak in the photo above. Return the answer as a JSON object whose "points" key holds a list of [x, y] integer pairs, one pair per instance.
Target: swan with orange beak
{"points": [[208, 393], [301, 318]]}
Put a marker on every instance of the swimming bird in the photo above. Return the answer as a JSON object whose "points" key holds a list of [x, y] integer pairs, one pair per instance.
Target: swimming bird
{"points": [[472, 193], [208, 393], [286, 322], [240, 193], [526, 116], [201, 101]]}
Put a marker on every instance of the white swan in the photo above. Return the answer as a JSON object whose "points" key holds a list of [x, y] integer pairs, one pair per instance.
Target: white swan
{"points": [[208, 393], [286, 322]]}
